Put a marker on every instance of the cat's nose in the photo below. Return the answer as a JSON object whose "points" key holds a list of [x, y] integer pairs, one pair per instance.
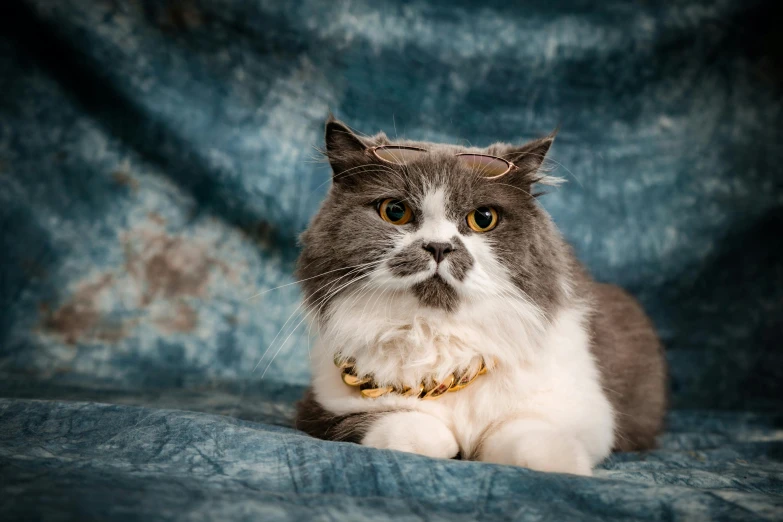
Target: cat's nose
{"points": [[438, 250]]}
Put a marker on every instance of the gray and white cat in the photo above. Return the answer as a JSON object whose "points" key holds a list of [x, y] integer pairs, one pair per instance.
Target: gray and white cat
{"points": [[574, 367]]}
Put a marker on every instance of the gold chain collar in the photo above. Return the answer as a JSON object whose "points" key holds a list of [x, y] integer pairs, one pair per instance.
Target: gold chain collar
{"points": [[371, 390]]}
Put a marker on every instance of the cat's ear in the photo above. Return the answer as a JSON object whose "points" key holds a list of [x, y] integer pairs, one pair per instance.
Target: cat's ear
{"points": [[529, 159], [530, 156], [344, 149], [348, 151], [340, 139]]}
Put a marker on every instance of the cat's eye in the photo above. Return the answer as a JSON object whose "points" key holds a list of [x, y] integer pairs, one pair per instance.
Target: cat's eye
{"points": [[483, 219], [395, 211]]}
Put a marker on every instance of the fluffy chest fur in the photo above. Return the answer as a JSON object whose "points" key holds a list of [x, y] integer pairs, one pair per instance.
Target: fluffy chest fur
{"points": [[546, 370]]}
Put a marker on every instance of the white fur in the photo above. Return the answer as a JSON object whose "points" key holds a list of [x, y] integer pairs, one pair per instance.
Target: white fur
{"points": [[414, 432], [540, 405], [435, 225], [534, 443]]}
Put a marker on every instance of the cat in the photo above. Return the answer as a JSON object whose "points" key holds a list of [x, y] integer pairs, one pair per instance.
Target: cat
{"points": [[406, 290]]}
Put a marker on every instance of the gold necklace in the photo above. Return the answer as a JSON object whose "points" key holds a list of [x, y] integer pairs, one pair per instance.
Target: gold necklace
{"points": [[371, 390]]}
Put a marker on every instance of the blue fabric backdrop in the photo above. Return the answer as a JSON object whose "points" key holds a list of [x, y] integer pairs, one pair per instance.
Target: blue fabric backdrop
{"points": [[157, 161]]}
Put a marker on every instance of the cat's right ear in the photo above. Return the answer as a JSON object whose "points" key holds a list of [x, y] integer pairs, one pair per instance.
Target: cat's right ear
{"points": [[344, 149], [341, 139]]}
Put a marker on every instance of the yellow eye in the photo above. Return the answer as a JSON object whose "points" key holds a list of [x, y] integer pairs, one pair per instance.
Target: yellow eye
{"points": [[483, 219], [395, 211]]}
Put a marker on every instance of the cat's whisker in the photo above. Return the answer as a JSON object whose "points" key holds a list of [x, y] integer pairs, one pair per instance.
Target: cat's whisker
{"points": [[369, 167], [309, 328], [556, 180], [303, 303], [518, 294], [354, 298], [515, 188], [551, 180], [320, 303], [368, 301], [269, 364], [481, 172], [309, 278], [307, 314], [318, 291], [324, 299]]}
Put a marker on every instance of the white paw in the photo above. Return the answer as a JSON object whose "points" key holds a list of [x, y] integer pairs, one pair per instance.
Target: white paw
{"points": [[536, 446], [413, 432]]}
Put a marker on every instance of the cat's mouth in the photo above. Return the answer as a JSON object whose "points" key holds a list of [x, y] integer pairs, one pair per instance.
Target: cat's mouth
{"points": [[436, 292]]}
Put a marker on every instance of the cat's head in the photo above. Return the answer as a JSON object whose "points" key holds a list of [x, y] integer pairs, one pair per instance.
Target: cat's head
{"points": [[436, 227]]}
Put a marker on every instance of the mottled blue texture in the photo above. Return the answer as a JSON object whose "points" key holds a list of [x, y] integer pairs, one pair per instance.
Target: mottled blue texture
{"points": [[118, 461], [157, 162]]}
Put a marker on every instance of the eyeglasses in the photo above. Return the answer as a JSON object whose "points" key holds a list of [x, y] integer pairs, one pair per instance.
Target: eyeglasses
{"points": [[487, 166]]}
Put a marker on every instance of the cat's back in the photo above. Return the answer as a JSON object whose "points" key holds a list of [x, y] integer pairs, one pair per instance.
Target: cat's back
{"points": [[632, 364]]}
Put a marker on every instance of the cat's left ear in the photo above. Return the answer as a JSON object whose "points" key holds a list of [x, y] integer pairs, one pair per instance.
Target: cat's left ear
{"points": [[529, 159]]}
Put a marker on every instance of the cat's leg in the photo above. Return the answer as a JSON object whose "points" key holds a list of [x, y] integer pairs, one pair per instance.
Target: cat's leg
{"points": [[414, 432], [534, 444], [409, 431], [317, 421]]}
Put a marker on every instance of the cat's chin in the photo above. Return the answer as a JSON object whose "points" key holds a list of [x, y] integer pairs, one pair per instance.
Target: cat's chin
{"points": [[436, 292]]}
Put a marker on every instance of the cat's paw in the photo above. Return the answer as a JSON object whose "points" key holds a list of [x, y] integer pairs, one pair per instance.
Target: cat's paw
{"points": [[413, 432], [536, 446]]}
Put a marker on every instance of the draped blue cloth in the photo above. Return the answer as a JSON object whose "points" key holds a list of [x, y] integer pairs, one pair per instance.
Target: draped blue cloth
{"points": [[157, 161]]}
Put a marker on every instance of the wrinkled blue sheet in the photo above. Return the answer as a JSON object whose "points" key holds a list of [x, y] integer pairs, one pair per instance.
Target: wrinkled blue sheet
{"points": [[113, 462], [157, 162]]}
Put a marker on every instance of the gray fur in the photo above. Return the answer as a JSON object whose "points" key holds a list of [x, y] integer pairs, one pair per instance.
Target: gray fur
{"points": [[410, 261], [460, 259], [436, 293], [347, 231], [633, 366], [316, 421]]}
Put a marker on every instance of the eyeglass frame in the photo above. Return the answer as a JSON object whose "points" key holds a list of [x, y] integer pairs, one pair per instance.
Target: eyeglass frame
{"points": [[511, 165]]}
